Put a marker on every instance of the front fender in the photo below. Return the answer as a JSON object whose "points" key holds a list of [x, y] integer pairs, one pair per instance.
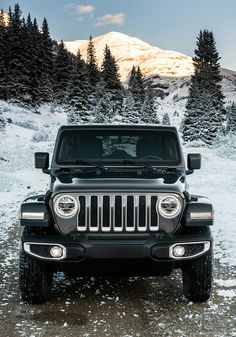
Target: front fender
{"points": [[199, 212], [34, 212]]}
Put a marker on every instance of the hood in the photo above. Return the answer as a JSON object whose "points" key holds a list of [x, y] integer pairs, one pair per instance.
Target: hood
{"points": [[171, 182]]}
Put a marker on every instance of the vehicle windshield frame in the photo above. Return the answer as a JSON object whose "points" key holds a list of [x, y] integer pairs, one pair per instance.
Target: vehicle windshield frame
{"points": [[118, 162]]}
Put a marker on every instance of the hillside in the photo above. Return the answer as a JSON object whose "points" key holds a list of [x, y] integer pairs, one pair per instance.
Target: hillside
{"points": [[169, 71], [130, 51]]}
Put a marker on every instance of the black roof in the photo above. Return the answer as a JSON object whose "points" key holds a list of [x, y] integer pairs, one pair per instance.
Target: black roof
{"points": [[118, 127]]}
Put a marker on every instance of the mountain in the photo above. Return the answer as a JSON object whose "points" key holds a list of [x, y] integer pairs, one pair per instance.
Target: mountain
{"points": [[5, 18], [130, 51], [169, 71]]}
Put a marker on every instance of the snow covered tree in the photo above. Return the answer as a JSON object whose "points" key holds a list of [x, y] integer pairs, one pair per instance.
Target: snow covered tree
{"points": [[77, 92], [45, 89], [111, 79], [34, 61], [148, 111], [46, 55], [104, 110], [204, 109], [16, 59], [47, 48], [93, 72], [110, 75], [62, 68], [132, 77], [2, 55], [231, 119], [130, 112], [136, 85], [166, 119]]}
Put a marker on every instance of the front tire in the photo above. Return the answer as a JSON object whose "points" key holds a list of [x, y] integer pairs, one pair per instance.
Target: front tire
{"points": [[35, 279], [197, 278]]}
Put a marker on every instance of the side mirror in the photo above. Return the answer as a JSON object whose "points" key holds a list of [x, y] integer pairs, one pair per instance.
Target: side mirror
{"points": [[41, 160], [194, 161]]}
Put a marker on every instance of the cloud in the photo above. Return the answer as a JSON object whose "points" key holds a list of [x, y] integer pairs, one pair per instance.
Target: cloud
{"points": [[87, 9], [111, 19], [80, 11]]}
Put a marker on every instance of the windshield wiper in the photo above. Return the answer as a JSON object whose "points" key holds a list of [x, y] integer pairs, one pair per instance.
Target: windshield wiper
{"points": [[145, 166], [85, 162]]}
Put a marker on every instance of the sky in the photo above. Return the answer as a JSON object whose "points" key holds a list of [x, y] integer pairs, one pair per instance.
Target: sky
{"points": [[167, 24]]}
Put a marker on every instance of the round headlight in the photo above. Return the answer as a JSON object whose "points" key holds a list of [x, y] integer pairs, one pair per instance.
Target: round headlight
{"points": [[66, 206], [169, 206]]}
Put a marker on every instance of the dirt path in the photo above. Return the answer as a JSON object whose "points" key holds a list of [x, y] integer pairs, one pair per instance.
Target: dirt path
{"points": [[113, 307]]}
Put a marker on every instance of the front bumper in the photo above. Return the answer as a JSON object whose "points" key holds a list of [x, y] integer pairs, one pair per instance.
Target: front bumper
{"points": [[82, 248]]}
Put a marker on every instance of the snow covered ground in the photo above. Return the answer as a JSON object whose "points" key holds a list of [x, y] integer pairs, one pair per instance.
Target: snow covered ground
{"points": [[30, 132]]}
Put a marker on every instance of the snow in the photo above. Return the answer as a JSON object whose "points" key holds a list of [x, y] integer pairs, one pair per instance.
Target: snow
{"points": [[227, 293], [226, 283], [18, 176], [18, 142], [131, 51], [19, 179], [216, 180]]}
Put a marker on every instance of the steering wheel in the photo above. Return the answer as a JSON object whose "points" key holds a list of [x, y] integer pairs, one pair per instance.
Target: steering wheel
{"points": [[150, 157]]}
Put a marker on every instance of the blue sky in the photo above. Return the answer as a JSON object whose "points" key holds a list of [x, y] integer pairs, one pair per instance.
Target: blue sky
{"points": [[167, 24]]}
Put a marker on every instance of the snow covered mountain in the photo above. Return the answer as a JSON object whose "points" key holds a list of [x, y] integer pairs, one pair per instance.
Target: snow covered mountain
{"points": [[130, 51], [169, 71]]}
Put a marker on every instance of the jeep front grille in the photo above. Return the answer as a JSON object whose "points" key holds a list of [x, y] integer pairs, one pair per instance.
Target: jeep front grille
{"points": [[118, 213]]}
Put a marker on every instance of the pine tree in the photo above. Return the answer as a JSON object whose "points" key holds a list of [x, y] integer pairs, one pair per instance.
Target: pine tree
{"points": [[77, 92], [46, 55], [104, 110], [139, 90], [204, 108], [130, 112], [17, 79], [47, 48], [148, 112], [34, 60], [111, 80], [136, 87], [93, 72], [2, 56], [45, 89], [231, 120], [166, 119], [62, 68], [110, 74], [132, 77]]}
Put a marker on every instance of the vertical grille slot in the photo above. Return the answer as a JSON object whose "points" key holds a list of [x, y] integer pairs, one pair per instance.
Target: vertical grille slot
{"points": [[124, 211], [130, 214], [148, 211], [142, 213], [81, 218], [118, 214], [154, 219], [106, 213], [94, 214]]}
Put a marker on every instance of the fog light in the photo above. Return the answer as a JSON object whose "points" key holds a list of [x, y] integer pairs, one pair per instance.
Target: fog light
{"points": [[56, 251], [178, 251]]}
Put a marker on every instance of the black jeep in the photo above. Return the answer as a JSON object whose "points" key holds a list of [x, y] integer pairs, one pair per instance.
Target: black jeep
{"points": [[118, 204]]}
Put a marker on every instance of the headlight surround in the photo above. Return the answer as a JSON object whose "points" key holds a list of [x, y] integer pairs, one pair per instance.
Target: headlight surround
{"points": [[169, 206], [66, 206]]}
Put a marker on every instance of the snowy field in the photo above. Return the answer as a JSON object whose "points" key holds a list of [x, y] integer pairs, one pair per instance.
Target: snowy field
{"points": [[30, 132]]}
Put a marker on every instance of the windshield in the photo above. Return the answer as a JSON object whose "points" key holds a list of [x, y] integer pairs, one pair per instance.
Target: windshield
{"points": [[118, 146]]}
